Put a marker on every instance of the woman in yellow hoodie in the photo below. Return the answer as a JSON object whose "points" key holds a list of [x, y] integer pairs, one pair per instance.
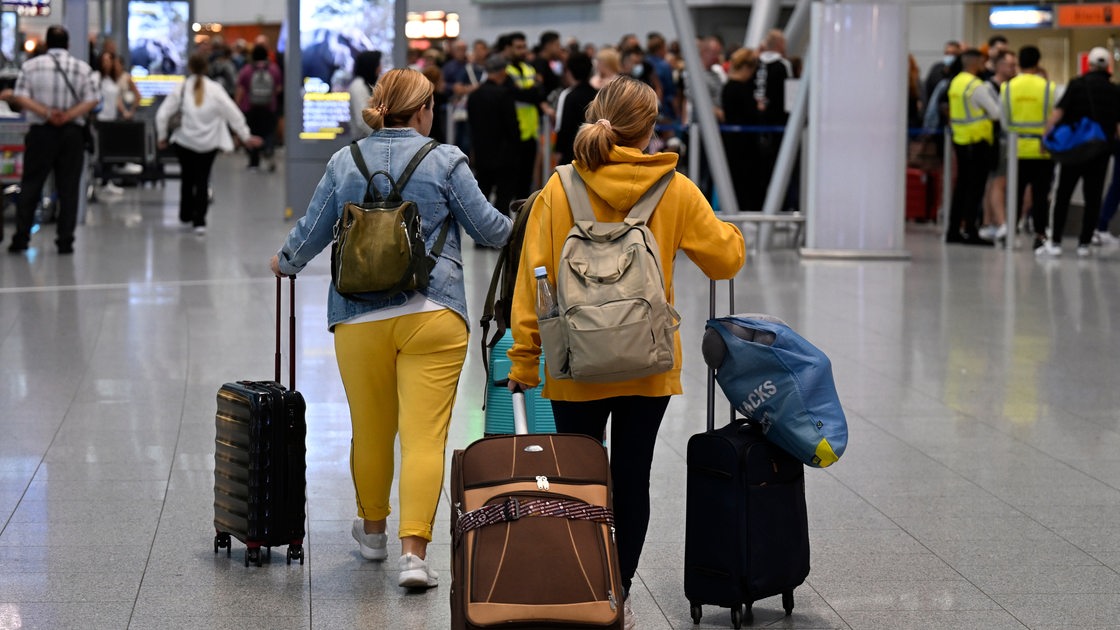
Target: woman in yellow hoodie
{"points": [[610, 160]]}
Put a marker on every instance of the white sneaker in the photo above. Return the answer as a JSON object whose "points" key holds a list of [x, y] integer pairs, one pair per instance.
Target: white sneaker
{"points": [[415, 573], [131, 168], [112, 189], [200, 230], [372, 546], [988, 232], [1001, 232], [629, 621], [1105, 238], [1048, 249], [1083, 251]]}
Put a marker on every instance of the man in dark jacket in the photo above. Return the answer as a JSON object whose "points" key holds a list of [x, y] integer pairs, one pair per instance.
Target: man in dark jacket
{"points": [[496, 134], [1091, 96], [572, 105]]}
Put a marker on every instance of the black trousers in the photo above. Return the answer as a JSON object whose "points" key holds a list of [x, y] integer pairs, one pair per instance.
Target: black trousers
{"points": [[634, 424], [974, 162], [496, 178], [194, 196], [262, 122], [523, 169], [1092, 175], [50, 148], [1039, 175]]}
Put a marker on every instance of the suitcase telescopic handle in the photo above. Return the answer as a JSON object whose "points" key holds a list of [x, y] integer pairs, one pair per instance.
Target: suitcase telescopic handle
{"points": [[711, 370], [520, 417], [291, 331]]}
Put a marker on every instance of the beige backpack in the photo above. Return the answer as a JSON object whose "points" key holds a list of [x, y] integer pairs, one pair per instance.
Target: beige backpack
{"points": [[614, 323]]}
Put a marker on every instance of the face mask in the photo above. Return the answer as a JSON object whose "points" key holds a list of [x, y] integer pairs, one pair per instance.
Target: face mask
{"points": [[948, 59], [637, 71]]}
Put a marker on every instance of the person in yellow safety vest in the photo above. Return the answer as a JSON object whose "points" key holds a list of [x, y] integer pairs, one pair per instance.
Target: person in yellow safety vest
{"points": [[1026, 102], [973, 105], [531, 101]]}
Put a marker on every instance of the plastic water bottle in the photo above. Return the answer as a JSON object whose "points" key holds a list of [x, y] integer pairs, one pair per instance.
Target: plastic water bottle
{"points": [[546, 299]]}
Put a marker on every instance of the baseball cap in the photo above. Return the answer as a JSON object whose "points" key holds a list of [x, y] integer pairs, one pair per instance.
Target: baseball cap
{"points": [[1099, 57], [498, 62]]}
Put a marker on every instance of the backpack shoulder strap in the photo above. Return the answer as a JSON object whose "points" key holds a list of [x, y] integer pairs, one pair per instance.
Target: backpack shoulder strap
{"points": [[356, 153], [576, 192], [641, 212], [402, 181]]}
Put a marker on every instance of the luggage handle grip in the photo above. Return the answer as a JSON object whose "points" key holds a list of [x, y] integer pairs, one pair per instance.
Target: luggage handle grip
{"points": [[520, 417], [291, 331]]}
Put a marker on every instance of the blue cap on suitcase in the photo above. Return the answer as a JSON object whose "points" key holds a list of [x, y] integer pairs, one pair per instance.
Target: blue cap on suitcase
{"points": [[781, 382]]}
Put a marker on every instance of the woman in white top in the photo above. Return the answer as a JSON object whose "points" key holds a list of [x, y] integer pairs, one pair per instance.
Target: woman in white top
{"points": [[367, 67], [207, 113]]}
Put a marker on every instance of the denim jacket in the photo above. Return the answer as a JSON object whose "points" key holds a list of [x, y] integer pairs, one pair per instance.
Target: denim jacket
{"points": [[442, 185]]}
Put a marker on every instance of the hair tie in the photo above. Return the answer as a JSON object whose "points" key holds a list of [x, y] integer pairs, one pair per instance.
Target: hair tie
{"points": [[604, 122], [381, 109]]}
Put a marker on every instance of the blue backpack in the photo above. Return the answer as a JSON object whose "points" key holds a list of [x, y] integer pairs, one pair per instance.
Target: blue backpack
{"points": [[1077, 143], [779, 382]]}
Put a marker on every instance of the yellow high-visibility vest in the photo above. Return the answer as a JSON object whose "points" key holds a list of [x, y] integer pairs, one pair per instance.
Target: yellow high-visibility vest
{"points": [[528, 119], [1027, 101], [970, 124]]}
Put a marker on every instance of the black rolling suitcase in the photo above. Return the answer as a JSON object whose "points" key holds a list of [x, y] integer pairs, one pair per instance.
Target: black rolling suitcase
{"points": [[746, 526], [260, 468]]}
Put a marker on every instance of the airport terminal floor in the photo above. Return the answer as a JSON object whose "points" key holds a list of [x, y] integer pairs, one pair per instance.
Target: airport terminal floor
{"points": [[980, 488]]}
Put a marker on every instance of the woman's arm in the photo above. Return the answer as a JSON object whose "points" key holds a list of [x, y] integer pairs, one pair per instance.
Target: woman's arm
{"points": [[315, 230], [715, 246]]}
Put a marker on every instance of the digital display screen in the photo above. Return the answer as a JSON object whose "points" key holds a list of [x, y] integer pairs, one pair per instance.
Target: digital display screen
{"points": [[158, 36], [29, 8], [1037, 16], [8, 36], [332, 33]]}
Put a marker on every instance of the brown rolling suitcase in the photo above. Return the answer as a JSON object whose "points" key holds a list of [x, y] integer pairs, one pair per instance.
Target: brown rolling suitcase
{"points": [[533, 533]]}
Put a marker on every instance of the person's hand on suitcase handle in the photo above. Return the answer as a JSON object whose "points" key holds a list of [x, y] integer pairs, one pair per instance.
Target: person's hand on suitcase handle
{"points": [[515, 387], [274, 265]]}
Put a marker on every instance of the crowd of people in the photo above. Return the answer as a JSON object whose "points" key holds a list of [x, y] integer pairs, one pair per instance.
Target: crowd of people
{"points": [[557, 80], [981, 95]]}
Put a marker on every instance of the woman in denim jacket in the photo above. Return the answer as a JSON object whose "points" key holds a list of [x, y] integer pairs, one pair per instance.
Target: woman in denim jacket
{"points": [[400, 355]]}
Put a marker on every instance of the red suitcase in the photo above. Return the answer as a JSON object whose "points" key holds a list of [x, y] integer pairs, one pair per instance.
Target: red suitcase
{"points": [[923, 194]]}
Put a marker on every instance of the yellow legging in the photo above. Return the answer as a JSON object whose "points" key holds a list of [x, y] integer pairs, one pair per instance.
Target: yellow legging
{"points": [[401, 375]]}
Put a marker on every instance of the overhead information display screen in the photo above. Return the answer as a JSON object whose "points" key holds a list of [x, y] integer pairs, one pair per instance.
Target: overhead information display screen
{"points": [[158, 36], [332, 33]]}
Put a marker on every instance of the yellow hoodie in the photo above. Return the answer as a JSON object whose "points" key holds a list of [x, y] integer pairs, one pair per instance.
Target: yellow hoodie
{"points": [[682, 221]]}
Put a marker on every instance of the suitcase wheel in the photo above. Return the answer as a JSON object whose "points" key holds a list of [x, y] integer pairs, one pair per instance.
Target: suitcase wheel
{"points": [[737, 617], [697, 612], [253, 555], [295, 552], [222, 541], [787, 602]]}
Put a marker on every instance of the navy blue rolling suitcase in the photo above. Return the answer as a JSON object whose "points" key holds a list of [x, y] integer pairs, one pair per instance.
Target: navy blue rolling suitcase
{"points": [[260, 469], [746, 524]]}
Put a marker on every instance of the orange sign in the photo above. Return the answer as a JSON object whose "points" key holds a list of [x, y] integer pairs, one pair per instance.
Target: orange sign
{"points": [[1075, 15]]}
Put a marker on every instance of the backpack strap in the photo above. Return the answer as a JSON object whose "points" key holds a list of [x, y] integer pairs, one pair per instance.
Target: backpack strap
{"points": [[580, 201], [576, 192], [641, 212], [395, 186]]}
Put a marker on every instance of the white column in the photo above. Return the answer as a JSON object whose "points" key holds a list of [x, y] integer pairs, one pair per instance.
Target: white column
{"points": [[857, 131]]}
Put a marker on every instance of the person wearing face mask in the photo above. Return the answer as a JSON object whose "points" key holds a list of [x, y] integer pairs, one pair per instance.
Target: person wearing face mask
{"points": [[940, 70]]}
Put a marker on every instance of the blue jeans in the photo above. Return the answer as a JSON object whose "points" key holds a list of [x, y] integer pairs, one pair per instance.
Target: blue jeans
{"points": [[1112, 197]]}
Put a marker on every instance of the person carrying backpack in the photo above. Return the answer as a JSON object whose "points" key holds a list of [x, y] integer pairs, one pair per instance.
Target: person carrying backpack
{"points": [[400, 353], [615, 176], [257, 86]]}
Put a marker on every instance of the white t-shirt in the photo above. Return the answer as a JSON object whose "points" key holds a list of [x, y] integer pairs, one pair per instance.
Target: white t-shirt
{"points": [[110, 94], [359, 100]]}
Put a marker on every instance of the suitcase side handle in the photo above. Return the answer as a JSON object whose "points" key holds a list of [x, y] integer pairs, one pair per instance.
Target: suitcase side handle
{"points": [[291, 331]]}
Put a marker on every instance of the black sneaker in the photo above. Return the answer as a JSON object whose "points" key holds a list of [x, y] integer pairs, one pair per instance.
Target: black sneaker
{"points": [[17, 248]]}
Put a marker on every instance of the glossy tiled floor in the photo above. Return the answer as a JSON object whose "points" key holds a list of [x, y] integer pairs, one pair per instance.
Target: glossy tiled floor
{"points": [[981, 487]]}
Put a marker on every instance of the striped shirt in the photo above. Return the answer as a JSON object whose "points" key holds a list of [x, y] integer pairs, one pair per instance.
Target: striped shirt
{"points": [[40, 80]]}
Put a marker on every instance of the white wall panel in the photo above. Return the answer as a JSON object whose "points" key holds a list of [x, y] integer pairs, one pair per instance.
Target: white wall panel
{"points": [[240, 11]]}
